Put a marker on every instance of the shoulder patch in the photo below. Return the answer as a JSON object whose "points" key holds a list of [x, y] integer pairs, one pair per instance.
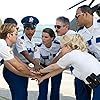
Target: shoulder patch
{"points": [[98, 20], [56, 42], [22, 37], [39, 45]]}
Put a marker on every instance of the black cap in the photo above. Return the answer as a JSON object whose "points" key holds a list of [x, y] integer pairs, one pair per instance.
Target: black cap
{"points": [[10, 20], [29, 21]]}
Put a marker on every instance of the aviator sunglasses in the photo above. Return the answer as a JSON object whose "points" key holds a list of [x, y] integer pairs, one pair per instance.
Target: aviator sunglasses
{"points": [[58, 26]]}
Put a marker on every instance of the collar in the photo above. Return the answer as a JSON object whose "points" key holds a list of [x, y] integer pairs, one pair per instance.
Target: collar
{"points": [[96, 24], [48, 49], [26, 38], [71, 32]]}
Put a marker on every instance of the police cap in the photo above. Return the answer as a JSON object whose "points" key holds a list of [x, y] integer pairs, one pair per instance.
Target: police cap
{"points": [[29, 21]]}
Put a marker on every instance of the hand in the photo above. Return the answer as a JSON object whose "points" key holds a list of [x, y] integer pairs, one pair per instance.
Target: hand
{"points": [[40, 81], [36, 72], [37, 67], [36, 77]]}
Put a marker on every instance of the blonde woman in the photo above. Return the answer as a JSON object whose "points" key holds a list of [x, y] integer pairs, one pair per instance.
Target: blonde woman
{"points": [[74, 53]]}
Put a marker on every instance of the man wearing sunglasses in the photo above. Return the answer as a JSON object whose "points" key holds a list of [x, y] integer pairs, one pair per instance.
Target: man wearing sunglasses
{"points": [[62, 26], [91, 33]]}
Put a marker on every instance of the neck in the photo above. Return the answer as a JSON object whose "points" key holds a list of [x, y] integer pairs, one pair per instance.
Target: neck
{"points": [[8, 42], [29, 37], [48, 45]]}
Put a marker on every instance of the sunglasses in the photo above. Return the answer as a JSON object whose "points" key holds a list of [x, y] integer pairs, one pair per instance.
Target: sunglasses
{"points": [[78, 15], [58, 26]]}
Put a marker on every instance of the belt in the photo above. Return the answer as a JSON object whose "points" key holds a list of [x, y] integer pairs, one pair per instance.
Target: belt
{"points": [[1, 62], [93, 80]]}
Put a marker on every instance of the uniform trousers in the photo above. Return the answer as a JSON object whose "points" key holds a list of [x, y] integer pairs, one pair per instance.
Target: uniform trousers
{"points": [[96, 93], [82, 91], [17, 84], [55, 88]]}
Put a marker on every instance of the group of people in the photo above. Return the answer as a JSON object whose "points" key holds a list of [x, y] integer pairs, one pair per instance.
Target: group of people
{"points": [[78, 51]]}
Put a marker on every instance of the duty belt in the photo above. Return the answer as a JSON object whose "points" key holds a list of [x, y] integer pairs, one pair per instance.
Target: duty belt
{"points": [[93, 80], [1, 62]]}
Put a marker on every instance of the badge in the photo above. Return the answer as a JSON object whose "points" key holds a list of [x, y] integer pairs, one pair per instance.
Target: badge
{"points": [[31, 20]]}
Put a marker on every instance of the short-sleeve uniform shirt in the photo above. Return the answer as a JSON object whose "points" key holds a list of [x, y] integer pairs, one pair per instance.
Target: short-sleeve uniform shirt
{"points": [[24, 44], [6, 52], [47, 54], [92, 36], [81, 69]]}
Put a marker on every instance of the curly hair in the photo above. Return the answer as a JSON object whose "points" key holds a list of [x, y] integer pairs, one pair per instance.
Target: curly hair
{"points": [[75, 41], [5, 29]]}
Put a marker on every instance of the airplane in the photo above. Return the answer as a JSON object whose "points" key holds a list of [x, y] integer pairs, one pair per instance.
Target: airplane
{"points": [[95, 8]]}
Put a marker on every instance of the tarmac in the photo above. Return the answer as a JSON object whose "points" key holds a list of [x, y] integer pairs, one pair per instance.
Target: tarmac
{"points": [[66, 89]]}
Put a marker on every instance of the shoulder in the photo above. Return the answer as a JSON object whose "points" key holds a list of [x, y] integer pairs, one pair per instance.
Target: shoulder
{"points": [[80, 28], [3, 42], [71, 32], [98, 21], [56, 42], [20, 38], [39, 45]]}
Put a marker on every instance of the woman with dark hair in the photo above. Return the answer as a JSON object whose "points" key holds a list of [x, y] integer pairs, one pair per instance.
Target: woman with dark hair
{"points": [[48, 50]]}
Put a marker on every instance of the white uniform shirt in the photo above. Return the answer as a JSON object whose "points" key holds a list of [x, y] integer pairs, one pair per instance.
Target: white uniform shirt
{"points": [[6, 52], [92, 37], [24, 44], [47, 54], [68, 32], [86, 64]]}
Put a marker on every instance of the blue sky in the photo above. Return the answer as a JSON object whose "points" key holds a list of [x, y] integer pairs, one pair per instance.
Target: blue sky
{"points": [[45, 10]]}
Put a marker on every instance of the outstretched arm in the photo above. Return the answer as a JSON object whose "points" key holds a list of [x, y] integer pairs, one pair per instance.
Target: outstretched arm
{"points": [[12, 69], [50, 74], [49, 68], [20, 66]]}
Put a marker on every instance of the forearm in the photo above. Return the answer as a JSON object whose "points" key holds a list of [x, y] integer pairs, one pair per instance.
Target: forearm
{"points": [[49, 68], [20, 66], [56, 58], [12, 69], [29, 58], [53, 73]]}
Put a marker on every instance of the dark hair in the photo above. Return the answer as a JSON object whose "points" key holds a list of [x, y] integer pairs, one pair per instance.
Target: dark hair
{"points": [[86, 8], [10, 20], [50, 32], [64, 20]]}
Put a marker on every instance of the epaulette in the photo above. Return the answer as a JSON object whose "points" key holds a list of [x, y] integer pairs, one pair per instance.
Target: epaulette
{"points": [[39, 45], [22, 37], [98, 20], [80, 28], [56, 42]]}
